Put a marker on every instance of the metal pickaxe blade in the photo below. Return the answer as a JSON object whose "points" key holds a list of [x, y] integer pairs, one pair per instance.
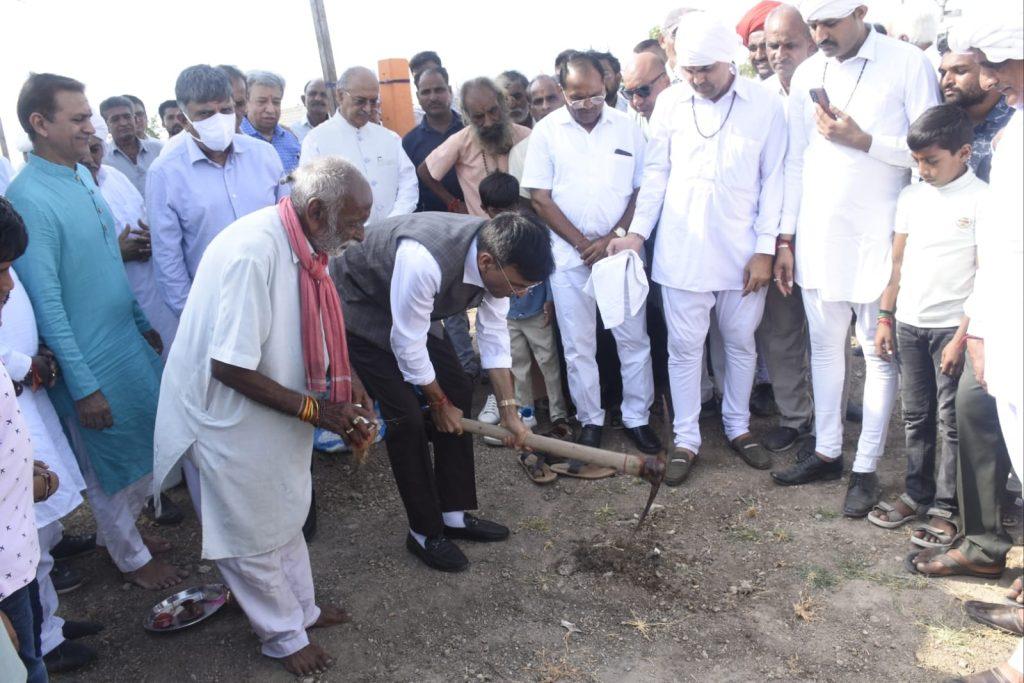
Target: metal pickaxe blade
{"points": [[667, 439], [650, 468]]}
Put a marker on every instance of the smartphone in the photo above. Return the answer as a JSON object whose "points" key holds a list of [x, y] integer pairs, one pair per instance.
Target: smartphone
{"points": [[820, 97]]}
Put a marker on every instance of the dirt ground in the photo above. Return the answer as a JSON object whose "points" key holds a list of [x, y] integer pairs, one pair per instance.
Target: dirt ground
{"points": [[733, 579]]}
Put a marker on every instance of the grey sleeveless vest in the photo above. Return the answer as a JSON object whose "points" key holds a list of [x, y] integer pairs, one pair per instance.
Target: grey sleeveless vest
{"points": [[363, 272]]}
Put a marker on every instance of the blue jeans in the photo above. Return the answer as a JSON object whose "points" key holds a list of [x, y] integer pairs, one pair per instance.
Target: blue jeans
{"points": [[22, 607]]}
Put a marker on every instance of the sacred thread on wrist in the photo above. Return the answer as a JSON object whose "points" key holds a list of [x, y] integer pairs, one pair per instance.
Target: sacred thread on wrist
{"points": [[434, 405]]}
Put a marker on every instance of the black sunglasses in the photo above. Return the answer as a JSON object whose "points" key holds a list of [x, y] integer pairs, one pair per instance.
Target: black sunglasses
{"points": [[643, 91]]}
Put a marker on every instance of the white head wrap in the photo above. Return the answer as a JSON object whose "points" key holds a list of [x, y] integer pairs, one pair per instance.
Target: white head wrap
{"points": [[703, 39], [820, 10], [1000, 35], [102, 132]]}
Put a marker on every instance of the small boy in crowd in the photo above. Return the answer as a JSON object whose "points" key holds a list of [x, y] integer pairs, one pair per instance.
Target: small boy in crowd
{"points": [[933, 264], [530, 331]]}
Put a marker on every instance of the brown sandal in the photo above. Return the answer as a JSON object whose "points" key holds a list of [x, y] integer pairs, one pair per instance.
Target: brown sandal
{"points": [[951, 565]]}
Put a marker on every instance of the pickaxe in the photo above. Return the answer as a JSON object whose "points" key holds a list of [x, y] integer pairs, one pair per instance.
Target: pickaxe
{"points": [[650, 468]]}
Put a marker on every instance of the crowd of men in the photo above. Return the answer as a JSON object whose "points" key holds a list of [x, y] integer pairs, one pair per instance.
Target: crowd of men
{"points": [[670, 226]]}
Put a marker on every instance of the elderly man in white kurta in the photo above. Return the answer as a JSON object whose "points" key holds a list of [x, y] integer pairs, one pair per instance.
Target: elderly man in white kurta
{"points": [[712, 184], [583, 169], [844, 170], [374, 150], [261, 340]]}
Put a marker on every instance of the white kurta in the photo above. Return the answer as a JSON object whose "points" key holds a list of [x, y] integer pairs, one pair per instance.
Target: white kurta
{"points": [[377, 153], [129, 208], [996, 307], [841, 201], [716, 200], [19, 341], [253, 461]]}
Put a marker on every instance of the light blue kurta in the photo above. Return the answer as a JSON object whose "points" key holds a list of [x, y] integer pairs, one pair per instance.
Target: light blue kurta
{"points": [[87, 314]]}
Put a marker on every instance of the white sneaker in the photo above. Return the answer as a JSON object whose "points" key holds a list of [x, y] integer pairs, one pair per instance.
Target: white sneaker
{"points": [[490, 415]]}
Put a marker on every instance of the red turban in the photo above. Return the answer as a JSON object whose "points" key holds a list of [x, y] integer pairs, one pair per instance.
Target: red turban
{"points": [[754, 19]]}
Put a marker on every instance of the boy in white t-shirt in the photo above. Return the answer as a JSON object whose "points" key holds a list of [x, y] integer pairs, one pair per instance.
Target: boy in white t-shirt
{"points": [[933, 265]]}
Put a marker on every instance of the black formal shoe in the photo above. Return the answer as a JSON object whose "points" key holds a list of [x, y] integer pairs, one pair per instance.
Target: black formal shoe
{"points": [[69, 656], [854, 412], [762, 400], [590, 435], [1009, 618], [477, 529], [170, 512], [809, 467], [309, 527], [73, 546], [644, 438], [65, 578], [439, 553], [862, 494], [709, 409], [73, 630], [778, 439]]}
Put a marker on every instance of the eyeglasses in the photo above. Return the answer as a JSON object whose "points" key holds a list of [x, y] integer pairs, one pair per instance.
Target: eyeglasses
{"points": [[361, 102], [585, 103], [518, 292], [643, 91]]}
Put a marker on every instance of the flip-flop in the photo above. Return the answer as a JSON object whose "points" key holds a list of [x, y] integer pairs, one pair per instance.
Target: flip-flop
{"points": [[955, 567], [538, 471], [582, 471]]}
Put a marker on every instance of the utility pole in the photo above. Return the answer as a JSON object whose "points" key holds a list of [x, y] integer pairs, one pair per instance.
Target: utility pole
{"points": [[323, 43]]}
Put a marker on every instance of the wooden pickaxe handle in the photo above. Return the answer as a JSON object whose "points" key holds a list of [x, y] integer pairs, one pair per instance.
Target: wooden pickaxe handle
{"points": [[649, 468]]}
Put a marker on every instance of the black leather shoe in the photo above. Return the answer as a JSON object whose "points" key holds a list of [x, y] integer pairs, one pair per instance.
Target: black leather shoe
{"points": [[778, 439], [590, 435], [809, 467], [65, 578], [477, 529], [69, 656], [170, 513], [862, 494], [73, 546], [762, 400], [644, 438], [854, 412], [73, 630], [1009, 618], [439, 553]]}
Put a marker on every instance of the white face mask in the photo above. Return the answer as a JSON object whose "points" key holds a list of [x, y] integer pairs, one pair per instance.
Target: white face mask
{"points": [[216, 132]]}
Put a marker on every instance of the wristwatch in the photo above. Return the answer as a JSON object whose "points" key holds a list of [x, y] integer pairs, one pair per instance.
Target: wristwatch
{"points": [[619, 232]]}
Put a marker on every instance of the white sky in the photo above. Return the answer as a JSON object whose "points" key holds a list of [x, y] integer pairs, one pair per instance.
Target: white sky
{"points": [[124, 46]]}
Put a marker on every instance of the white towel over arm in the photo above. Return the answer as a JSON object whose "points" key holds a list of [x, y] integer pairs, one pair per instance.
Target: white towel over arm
{"points": [[618, 284]]}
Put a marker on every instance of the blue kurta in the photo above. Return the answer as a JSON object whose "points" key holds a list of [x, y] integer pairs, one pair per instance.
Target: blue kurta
{"points": [[87, 314]]}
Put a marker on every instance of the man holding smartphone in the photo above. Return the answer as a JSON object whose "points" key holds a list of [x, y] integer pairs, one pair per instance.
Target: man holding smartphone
{"points": [[847, 162]]}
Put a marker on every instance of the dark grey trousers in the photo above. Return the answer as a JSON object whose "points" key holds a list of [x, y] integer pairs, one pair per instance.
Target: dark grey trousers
{"points": [[929, 410]]}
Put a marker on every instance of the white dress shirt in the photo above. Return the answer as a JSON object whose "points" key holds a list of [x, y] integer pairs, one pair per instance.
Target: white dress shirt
{"points": [[415, 283], [839, 200], [716, 200], [591, 176], [377, 152]]}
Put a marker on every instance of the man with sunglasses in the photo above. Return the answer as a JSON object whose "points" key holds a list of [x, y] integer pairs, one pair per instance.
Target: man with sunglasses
{"points": [[376, 151], [583, 169], [643, 80], [408, 274]]}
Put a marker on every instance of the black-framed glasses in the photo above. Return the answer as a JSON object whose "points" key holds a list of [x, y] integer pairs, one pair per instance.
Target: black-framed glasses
{"points": [[643, 91], [517, 291]]}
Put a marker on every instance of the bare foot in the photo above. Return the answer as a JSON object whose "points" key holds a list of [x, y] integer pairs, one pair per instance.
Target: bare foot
{"points": [[156, 575], [331, 616], [307, 661], [1016, 592], [155, 544]]}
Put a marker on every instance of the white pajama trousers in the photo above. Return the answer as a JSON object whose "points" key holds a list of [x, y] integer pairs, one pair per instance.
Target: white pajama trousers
{"points": [[688, 319], [274, 589], [53, 626], [115, 513], [828, 323], [577, 323]]}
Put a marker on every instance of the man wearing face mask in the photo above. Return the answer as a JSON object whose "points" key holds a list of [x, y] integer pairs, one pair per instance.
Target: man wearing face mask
{"points": [[205, 183], [376, 151]]}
